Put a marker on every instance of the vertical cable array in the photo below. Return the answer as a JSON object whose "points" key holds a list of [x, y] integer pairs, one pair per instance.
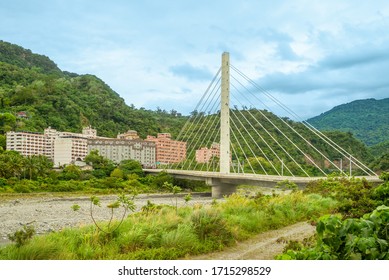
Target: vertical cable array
{"points": [[261, 142]]}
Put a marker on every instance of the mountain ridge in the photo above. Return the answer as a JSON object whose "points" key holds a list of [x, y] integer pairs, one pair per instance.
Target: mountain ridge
{"points": [[34, 84], [367, 119]]}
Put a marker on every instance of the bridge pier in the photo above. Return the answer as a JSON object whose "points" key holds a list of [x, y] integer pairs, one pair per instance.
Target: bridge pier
{"points": [[220, 188]]}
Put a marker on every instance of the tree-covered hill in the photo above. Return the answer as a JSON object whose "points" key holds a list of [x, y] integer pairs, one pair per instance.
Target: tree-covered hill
{"points": [[367, 119], [33, 84]]}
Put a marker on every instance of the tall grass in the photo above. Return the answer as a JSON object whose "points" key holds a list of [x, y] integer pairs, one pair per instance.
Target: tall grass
{"points": [[166, 233]]}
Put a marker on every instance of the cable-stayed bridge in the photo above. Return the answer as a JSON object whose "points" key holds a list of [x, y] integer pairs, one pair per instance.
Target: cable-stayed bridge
{"points": [[233, 138]]}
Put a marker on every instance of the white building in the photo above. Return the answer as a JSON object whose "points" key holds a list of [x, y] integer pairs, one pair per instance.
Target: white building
{"points": [[60, 147], [118, 150]]}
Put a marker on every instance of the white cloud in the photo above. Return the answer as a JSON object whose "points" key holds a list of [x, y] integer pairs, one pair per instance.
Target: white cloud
{"points": [[157, 53]]}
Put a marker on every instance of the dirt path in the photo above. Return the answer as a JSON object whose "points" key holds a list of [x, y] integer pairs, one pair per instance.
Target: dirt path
{"points": [[264, 246]]}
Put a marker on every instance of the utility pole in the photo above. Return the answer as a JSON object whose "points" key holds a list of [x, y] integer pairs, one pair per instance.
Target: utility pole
{"points": [[225, 153], [351, 165]]}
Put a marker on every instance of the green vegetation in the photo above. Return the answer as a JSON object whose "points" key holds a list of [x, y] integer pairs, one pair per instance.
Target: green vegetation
{"points": [[352, 239], [271, 155], [164, 232], [20, 174], [33, 84], [358, 231], [367, 119]]}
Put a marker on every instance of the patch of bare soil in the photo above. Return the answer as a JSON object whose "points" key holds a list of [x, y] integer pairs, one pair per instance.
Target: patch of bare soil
{"points": [[264, 246]]}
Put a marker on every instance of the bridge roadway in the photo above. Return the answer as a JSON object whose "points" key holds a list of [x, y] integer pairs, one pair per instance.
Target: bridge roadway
{"points": [[226, 183]]}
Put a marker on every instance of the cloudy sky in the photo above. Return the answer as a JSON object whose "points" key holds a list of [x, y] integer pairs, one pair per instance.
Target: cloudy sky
{"points": [[311, 55]]}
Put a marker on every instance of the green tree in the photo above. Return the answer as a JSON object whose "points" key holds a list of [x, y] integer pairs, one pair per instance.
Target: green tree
{"points": [[131, 167], [117, 173], [7, 122], [71, 172], [99, 163], [11, 164]]}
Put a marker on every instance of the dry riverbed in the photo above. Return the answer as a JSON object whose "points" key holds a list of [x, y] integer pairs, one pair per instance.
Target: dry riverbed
{"points": [[53, 212]]}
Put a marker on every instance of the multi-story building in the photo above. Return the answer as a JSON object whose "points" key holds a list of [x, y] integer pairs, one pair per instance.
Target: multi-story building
{"points": [[124, 149], [68, 147], [26, 143], [168, 150], [60, 147], [129, 135], [204, 155]]}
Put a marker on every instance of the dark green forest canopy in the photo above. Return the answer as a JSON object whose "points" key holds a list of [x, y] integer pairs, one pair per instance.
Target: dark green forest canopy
{"points": [[367, 119]]}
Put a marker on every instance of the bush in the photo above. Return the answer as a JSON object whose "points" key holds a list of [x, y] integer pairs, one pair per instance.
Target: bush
{"points": [[354, 195], [366, 238], [21, 237], [208, 223]]}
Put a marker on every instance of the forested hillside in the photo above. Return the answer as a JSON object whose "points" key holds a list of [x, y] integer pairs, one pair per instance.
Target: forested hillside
{"points": [[46, 96], [367, 119], [35, 94]]}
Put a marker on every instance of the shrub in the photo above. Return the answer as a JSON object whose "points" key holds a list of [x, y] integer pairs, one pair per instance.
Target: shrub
{"points": [[364, 238], [21, 237], [354, 195], [208, 223]]}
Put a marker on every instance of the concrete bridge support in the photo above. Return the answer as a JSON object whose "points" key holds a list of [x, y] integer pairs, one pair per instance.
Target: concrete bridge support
{"points": [[220, 188]]}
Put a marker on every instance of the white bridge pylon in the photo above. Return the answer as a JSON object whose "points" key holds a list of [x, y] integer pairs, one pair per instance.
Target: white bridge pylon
{"points": [[233, 123]]}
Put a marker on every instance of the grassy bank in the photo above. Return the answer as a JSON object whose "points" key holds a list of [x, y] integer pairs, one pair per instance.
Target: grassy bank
{"points": [[167, 232]]}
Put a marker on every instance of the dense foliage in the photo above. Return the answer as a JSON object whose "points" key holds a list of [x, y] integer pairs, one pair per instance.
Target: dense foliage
{"points": [[20, 174], [33, 84], [358, 231], [365, 238], [366, 119]]}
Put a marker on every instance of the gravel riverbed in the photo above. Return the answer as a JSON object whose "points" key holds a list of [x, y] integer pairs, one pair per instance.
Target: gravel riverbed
{"points": [[51, 212]]}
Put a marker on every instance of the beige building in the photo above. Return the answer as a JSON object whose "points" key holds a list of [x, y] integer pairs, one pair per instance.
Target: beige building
{"points": [[26, 143], [129, 135], [168, 150], [118, 150], [204, 155], [60, 147], [69, 149]]}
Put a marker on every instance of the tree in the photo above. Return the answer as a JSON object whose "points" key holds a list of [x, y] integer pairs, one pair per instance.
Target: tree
{"points": [[71, 172], [117, 173], [7, 122], [11, 164], [131, 167], [99, 163]]}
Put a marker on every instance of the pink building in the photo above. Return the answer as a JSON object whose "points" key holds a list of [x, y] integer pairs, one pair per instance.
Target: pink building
{"points": [[204, 154], [168, 150]]}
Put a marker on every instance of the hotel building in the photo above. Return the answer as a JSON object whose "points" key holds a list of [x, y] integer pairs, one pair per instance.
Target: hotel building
{"points": [[204, 155], [168, 150]]}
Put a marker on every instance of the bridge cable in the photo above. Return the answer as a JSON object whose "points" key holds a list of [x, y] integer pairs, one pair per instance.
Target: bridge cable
{"points": [[318, 133], [282, 132]]}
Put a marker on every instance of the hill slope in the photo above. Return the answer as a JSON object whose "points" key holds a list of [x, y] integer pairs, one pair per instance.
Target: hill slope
{"points": [[33, 84], [367, 119]]}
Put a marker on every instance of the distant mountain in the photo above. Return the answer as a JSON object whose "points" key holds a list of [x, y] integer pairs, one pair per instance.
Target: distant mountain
{"points": [[35, 94], [367, 120]]}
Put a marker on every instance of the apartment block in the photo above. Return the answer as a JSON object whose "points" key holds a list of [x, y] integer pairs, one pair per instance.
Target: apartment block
{"points": [[60, 147], [26, 143], [168, 150], [124, 149], [204, 155]]}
